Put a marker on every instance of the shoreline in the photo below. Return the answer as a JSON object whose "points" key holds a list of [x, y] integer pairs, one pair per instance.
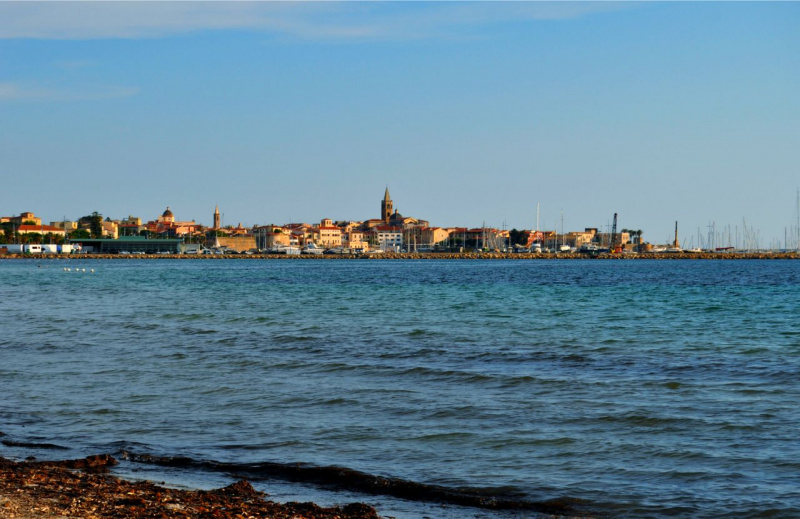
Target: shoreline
{"points": [[34, 489], [422, 256], [83, 488]]}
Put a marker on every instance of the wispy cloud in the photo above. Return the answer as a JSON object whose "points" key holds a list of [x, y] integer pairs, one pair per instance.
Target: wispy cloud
{"points": [[317, 20], [19, 91]]}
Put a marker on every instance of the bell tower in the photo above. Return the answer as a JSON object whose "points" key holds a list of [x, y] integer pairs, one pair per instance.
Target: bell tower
{"points": [[386, 207], [216, 218]]}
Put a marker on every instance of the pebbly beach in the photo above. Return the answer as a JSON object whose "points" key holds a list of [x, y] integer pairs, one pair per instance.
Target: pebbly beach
{"points": [[84, 488]]}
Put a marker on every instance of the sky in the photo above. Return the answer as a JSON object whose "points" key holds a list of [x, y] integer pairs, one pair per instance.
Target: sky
{"points": [[471, 113]]}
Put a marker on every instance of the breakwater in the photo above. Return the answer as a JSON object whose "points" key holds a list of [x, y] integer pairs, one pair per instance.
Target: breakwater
{"points": [[425, 256]]}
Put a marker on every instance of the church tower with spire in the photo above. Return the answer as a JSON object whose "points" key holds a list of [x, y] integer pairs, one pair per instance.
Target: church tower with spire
{"points": [[217, 222], [386, 206]]}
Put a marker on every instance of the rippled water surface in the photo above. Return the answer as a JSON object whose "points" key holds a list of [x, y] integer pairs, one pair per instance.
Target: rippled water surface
{"points": [[640, 388]]}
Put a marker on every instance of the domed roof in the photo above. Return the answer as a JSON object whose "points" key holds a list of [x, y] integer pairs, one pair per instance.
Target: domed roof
{"points": [[167, 213]]}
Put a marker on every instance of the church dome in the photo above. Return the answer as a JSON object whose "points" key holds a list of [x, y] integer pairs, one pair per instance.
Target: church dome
{"points": [[167, 213]]}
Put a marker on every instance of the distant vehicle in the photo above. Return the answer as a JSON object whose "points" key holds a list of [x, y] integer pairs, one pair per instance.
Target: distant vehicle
{"points": [[124, 252], [338, 250], [312, 248]]}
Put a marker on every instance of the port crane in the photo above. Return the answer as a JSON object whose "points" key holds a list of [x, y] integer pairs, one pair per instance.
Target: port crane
{"points": [[613, 247]]}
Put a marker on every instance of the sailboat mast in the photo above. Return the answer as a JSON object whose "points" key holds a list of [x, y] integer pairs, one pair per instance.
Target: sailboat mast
{"points": [[797, 223]]}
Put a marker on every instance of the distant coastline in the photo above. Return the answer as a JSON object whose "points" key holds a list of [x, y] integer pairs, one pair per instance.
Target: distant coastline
{"points": [[423, 256]]}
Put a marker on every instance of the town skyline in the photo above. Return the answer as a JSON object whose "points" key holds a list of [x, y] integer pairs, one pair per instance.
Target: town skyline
{"points": [[389, 229], [471, 113]]}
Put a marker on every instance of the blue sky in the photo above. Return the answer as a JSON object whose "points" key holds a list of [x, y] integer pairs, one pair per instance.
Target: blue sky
{"points": [[469, 112]]}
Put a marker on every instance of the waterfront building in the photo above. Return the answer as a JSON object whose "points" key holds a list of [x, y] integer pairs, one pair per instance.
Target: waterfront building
{"points": [[432, 236], [604, 238], [166, 225], [355, 240], [40, 229], [328, 235], [577, 238], [239, 243], [129, 229], [387, 238], [348, 225], [127, 244], [23, 218], [371, 224], [131, 220], [65, 225], [268, 236], [110, 229], [130, 226], [302, 233]]}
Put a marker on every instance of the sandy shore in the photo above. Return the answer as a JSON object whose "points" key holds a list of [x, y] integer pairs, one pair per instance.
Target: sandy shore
{"points": [[83, 488]]}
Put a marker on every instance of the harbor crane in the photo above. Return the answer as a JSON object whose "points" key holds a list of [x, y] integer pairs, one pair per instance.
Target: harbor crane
{"points": [[613, 247]]}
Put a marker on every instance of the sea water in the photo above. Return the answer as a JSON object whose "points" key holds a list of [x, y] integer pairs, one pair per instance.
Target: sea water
{"points": [[628, 388]]}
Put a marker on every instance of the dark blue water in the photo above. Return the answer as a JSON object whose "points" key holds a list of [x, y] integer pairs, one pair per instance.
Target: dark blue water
{"points": [[637, 388]]}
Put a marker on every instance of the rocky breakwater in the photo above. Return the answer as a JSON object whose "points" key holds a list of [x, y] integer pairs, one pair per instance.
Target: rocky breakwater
{"points": [[424, 256]]}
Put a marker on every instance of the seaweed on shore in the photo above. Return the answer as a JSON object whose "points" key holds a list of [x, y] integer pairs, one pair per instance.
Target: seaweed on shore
{"points": [[54, 489]]}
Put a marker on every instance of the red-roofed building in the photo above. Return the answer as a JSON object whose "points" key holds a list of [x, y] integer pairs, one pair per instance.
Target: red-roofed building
{"points": [[328, 235], [166, 225], [40, 229]]}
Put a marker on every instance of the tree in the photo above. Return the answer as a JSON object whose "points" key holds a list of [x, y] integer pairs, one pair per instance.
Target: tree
{"points": [[96, 225], [79, 234], [7, 235], [53, 238], [518, 237]]}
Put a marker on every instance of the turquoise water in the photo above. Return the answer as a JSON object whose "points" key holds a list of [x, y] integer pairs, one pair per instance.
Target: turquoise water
{"points": [[637, 389]]}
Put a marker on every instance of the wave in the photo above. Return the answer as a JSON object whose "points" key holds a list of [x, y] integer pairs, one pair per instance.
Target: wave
{"points": [[33, 445]]}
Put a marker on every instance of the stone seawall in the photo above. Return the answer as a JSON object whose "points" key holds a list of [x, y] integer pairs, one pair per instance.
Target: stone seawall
{"points": [[418, 256]]}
